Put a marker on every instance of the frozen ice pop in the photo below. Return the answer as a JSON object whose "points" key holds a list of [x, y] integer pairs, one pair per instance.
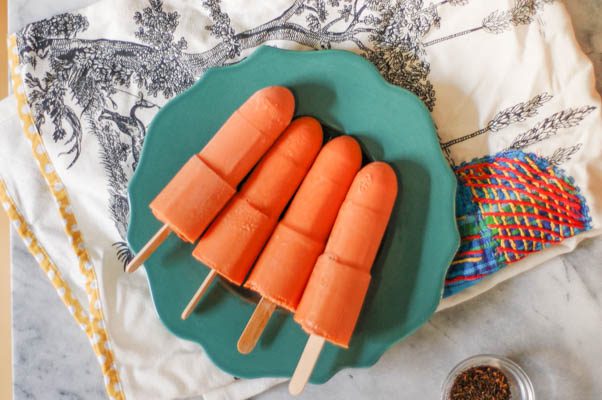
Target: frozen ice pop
{"points": [[203, 186], [284, 266], [336, 289], [235, 238]]}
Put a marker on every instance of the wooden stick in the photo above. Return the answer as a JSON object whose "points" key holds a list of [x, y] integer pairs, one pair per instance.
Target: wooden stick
{"points": [[148, 249], [306, 364], [249, 337], [199, 294]]}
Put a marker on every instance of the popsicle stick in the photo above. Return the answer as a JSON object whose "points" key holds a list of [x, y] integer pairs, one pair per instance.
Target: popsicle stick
{"points": [[148, 249], [249, 337], [306, 364], [199, 294]]}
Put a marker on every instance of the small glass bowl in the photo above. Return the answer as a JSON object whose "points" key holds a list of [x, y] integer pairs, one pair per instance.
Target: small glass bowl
{"points": [[521, 387]]}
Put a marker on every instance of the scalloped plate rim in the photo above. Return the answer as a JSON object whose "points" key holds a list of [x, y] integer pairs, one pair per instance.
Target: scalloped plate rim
{"points": [[450, 181]]}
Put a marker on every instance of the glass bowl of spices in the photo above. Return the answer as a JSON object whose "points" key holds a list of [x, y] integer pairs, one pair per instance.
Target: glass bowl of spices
{"points": [[488, 377]]}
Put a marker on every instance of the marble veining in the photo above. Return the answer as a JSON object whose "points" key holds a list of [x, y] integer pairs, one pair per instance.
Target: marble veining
{"points": [[52, 358], [548, 319]]}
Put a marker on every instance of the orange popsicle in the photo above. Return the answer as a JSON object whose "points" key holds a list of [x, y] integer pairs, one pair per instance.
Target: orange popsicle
{"points": [[336, 289], [282, 270], [284, 266], [203, 186], [236, 237], [335, 292]]}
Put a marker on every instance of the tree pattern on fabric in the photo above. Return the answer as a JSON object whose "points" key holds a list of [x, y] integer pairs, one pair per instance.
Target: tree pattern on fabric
{"points": [[112, 88], [388, 33]]}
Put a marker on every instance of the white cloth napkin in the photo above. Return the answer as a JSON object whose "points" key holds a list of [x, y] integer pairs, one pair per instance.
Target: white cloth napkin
{"points": [[93, 79], [180, 369]]}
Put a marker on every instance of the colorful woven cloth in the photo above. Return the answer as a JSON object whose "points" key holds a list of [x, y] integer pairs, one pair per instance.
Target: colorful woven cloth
{"points": [[508, 206]]}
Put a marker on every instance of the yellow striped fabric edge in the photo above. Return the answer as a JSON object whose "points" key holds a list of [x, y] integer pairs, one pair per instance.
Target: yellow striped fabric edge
{"points": [[41, 256], [99, 337]]}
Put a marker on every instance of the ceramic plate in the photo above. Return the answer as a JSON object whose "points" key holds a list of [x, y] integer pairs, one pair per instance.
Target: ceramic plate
{"points": [[347, 94]]}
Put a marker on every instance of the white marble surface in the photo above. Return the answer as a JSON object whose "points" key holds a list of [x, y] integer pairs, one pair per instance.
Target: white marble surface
{"points": [[51, 356], [548, 319]]}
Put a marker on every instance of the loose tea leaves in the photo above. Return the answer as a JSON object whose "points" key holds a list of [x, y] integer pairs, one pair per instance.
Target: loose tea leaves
{"points": [[481, 383]]}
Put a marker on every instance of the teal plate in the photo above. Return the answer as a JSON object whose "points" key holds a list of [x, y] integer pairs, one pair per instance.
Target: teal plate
{"points": [[347, 94]]}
